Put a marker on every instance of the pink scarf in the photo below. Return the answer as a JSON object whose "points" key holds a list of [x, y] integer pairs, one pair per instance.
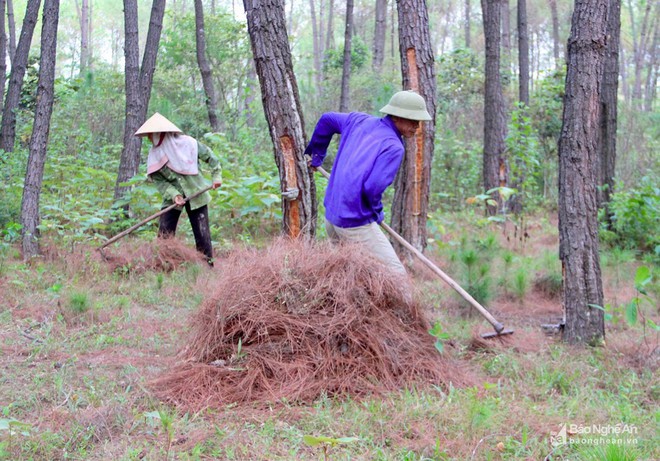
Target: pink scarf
{"points": [[177, 151]]}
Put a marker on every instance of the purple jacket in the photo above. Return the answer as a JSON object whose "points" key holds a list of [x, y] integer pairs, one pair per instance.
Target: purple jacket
{"points": [[370, 152]]}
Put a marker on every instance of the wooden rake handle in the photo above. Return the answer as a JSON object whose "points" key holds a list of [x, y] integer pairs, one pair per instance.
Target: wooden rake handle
{"points": [[448, 280], [150, 218]]}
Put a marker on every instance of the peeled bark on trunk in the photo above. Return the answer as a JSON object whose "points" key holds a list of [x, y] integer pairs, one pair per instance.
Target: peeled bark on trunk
{"points": [[204, 68], [412, 184], [40, 131], [346, 72], [279, 93], [138, 90], [19, 65], [579, 175], [494, 164]]}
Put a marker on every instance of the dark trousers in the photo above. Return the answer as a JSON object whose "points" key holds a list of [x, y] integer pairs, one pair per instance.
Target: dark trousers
{"points": [[199, 221]]}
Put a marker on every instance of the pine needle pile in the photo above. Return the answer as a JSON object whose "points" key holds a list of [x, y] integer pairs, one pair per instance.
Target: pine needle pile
{"points": [[295, 321], [159, 255]]}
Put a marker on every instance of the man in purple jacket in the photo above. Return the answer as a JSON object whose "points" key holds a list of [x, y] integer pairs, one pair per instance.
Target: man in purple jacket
{"points": [[369, 155]]}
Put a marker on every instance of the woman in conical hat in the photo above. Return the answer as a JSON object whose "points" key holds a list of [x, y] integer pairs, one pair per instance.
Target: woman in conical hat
{"points": [[173, 166]]}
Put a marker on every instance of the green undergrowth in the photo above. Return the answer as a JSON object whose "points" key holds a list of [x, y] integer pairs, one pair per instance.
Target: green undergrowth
{"points": [[79, 346]]}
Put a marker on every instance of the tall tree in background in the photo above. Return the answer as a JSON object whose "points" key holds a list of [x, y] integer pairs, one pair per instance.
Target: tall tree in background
{"points": [[3, 52], [204, 67], [608, 102], [523, 53], [19, 65], [468, 8], [344, 99], [380, 28], [330, 32], [556, 44], [494, 163], [579, 174], [412, 184], [279, 94], [652, 75], [40, 131], [640, 47], [317, 44], [138, 85], [85, 24], [506, 35], [11, 26]]}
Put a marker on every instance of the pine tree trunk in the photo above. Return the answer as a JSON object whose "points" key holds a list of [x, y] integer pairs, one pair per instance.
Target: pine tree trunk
{"points": [[652, 70], [204, 67], [40, 131], [380, 28], [84, 35], [330, 33], [19, 65], [138, 90], [11, 25], [523, 54], [316, 43], [506, 35], [556, 44], [608, 100], [344, 99], [494, 165], [3, 53], [579, 175], [412, 184], [468, 9], [279, 93]]}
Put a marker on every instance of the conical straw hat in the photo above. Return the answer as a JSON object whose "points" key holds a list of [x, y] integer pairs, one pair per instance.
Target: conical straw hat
{"points": [[157, 124]]}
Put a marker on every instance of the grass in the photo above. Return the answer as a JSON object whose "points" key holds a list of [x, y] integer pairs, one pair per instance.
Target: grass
{"points": [[80, 389]]}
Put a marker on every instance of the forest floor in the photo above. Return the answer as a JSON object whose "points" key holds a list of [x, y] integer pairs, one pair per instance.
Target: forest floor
{"points": [[80, 342]]}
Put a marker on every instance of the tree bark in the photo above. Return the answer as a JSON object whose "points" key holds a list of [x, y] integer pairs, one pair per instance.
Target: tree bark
{"points": [[330, 33], [83, 16], [11, 25], [468, 9], [579, 175], [556, 44], [380, 28], [494, 164], [40, 131], [506, 35], [204, 67], [3, 52], [608, 101], [344, 99], [523, 54], [138, 86], [412, 184], [639, 50], [317, 26], [19, 65], [652, 75], [279, 93]]}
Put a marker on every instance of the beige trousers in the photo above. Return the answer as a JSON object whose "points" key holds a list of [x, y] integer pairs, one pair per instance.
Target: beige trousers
{"points": [[372, 238]]}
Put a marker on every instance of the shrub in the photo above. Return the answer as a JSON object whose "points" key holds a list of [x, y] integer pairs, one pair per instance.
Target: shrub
{"points": [[636, 216]]}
